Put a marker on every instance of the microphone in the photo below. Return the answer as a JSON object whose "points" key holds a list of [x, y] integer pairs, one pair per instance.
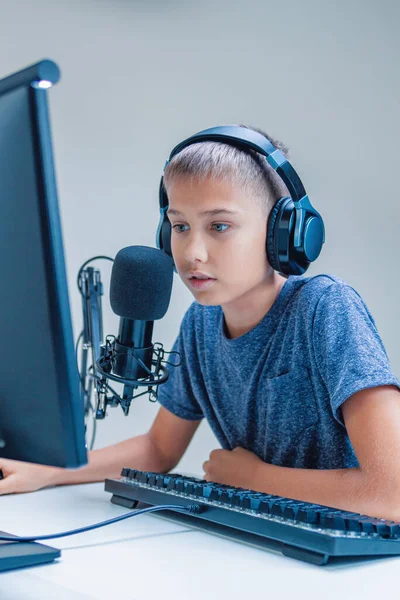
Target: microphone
{"points": [[140, 292]]}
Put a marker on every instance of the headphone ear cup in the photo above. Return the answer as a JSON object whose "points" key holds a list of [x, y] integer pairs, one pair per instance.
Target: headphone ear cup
{"points": [[273, 225], [165, 238]]}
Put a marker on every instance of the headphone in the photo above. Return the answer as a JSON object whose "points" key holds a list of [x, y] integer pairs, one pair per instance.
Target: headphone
{"points": [[295, 230]]}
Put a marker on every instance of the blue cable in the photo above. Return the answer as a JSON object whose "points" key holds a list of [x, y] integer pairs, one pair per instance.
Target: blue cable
{"points": [[191, 509]]}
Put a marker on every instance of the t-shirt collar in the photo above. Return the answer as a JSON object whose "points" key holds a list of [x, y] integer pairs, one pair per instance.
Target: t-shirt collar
{"points": [[267, 324]]}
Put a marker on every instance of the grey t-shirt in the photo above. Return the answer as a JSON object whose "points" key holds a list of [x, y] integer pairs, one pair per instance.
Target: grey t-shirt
{"points": [[277, 390]]}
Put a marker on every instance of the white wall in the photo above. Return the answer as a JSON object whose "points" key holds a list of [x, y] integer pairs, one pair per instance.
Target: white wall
{"points": [[137, 77]]}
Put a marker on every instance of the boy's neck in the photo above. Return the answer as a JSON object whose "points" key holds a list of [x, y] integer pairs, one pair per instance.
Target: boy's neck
{"points": [[244, 313]]}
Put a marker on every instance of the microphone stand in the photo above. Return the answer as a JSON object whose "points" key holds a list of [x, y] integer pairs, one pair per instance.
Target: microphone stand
{"points": [[91, 290], [118, 360]]}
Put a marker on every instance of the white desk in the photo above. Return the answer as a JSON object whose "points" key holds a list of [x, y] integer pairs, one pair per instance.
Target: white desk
{"points": [[147, 557]]}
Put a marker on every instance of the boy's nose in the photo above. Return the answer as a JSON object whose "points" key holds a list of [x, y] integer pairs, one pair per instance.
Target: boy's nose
{"points": [[195, 250]]}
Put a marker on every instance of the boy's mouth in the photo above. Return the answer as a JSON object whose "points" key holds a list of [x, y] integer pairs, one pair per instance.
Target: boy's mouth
{"points": [[198, 275], [201, 284]]}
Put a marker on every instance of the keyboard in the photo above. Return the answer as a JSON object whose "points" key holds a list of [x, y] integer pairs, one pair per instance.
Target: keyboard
{"points": [[310, 532]]}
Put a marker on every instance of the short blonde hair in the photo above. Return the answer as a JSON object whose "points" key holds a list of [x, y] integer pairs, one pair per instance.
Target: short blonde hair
{"points": [[217, 160]]}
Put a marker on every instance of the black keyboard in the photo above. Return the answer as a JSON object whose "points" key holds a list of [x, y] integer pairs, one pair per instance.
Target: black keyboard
{"points": [[310, 532]]}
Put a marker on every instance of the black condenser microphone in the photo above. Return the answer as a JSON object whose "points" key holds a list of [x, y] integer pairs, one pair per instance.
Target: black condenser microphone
{"points": [[140, 292]]}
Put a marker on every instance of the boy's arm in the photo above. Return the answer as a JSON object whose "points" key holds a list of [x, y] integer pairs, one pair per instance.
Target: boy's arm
{"points": [[372, 418], [349, 352], [159, 450]]}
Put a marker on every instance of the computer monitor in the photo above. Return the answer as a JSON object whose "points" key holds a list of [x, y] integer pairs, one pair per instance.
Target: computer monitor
{"points": [[41, 412]]}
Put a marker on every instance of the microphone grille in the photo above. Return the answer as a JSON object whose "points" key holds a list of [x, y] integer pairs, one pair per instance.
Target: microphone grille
{"points": [[141, 283]]}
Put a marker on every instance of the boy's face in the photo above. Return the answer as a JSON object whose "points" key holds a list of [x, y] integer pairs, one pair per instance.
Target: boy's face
{"points": [[226, 246]]}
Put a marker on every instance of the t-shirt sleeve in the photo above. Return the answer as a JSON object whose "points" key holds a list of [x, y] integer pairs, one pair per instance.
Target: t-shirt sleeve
{"points": [[176, 394], [349, 352]]}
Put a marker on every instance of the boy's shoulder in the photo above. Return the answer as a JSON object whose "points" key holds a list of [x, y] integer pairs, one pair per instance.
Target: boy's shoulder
{"points": [[326, 293], [321, 282], [329, 287], [331, 301], [316, 286]]}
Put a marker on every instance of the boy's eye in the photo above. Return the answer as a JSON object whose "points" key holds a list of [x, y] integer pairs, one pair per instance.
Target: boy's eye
{"points": [[219, 227], [177, 226]]}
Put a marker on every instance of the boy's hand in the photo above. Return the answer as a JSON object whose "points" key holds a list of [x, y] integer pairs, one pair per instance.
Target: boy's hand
{"points": [[236, 467], [19, 476]]}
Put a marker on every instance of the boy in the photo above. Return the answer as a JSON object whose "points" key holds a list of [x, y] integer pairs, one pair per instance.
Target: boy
{"points": [[290, 372]]}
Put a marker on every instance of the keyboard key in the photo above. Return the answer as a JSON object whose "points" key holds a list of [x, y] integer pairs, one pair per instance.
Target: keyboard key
{"points": [[333, 520], [246, 502], [207, 490], [276, 509], [353, 523], [367, 524], [307, 515], [255, 502], [381, 526], [180, 484], [153, 479], [189, 487], [236, 499], [264, 507], [225, 496], [289, 512]]}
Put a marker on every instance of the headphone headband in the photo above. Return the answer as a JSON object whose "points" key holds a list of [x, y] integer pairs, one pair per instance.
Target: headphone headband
{"points": [[241, 137]]}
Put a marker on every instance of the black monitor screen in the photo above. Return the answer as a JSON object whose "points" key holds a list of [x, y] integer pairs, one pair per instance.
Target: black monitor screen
{"points": [[41, 413]]}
